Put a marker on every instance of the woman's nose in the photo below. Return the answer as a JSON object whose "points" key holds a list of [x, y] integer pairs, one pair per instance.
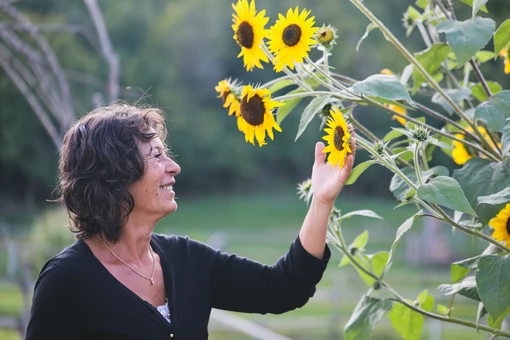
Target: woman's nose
{"points": [[173, 167]]}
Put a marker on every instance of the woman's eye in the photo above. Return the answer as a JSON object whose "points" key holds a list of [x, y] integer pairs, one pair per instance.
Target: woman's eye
{"points": [[158, 155]]}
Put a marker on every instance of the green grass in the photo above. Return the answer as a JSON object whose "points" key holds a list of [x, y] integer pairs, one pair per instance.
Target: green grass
{"points": [[262, 228], [11, 300]]}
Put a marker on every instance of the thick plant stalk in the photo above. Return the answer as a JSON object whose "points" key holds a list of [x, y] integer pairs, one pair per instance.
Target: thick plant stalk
{"points": [[390, 37]]}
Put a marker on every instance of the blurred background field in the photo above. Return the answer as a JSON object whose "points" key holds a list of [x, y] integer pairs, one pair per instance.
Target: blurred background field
{"points": [[261, 227], [231, 195]]}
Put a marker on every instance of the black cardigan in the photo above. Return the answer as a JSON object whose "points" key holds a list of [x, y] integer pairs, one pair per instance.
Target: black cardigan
{"points": [[75, 297]]}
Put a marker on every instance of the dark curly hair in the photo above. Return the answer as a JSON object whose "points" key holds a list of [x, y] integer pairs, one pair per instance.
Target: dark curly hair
{"points": [[99, 160]]}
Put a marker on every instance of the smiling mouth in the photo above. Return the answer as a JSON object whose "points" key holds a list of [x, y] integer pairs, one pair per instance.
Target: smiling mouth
{"points": [[167, 187]]}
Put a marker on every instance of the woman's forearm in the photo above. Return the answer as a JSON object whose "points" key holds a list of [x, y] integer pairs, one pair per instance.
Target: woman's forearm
{"points": [[315, 226]]}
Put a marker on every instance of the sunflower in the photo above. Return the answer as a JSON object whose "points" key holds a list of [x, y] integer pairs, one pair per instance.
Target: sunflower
{"points": [[501, 225], [400, 110], [460, 153], [338, 138], [290, 38], [256, 117], [394, 107], [230, 100], [506, 59], [249, 33]]}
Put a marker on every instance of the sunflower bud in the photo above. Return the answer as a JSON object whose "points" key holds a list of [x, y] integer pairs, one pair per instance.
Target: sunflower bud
{"points": [[326, 36], [379, 147], [420, 133], [376, 285], [305, 190]]}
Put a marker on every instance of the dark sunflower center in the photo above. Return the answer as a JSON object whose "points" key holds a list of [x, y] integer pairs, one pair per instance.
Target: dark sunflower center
{"points": [[253, 110], [291, 35], [508, 226], [339, 134], [245, 35]]}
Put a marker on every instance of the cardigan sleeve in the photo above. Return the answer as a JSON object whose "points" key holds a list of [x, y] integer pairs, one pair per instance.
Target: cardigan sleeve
{"points": [[53, 315], [242, 285]]}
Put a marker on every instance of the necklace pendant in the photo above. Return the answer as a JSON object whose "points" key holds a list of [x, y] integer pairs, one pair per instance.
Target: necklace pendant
{"points": [[152, 281]]}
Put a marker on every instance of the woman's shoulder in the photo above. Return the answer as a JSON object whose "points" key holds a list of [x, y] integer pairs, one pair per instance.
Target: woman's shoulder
{"points": [[71, 259], [181, 245]]}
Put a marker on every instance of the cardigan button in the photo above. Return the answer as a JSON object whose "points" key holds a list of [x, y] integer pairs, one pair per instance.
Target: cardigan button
{"points": [[171, 335]]}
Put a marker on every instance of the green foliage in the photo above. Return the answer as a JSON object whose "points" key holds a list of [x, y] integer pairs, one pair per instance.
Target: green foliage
{"points": [[495, 110], [404, 228], [467, 287], [493, 282], [365, 316], [467, 37], [481, 177], [479, 92], [431, 59], [382, 86], [502, 36], [406, 321], [447, 192], [358, 171], [505, 139], [460, 269]]}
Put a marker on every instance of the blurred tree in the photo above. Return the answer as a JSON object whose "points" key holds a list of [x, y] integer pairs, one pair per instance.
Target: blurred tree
{"points": [[172, 54]]}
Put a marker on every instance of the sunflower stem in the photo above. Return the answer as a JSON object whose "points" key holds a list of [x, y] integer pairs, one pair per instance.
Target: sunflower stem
{"points": [[374, 138], [416, 157], [401, 48], [448, 219], [301, 83], [437, 131]]}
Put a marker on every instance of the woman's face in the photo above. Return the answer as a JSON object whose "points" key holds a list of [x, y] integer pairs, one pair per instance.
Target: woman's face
{"points": [[153, 193]]}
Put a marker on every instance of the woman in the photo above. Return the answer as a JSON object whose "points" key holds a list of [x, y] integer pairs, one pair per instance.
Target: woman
{"points": [[121, 281]]}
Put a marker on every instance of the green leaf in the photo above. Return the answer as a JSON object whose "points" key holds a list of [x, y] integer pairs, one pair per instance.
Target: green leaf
{"points": [[479, 92], [460, 269], [467, 37], [425, 300], [481, 312], [481, 177], [484, 56], [457, 95], [404, 228], [413, 13], [505, 139], [465, 288], [422, 3], [369, 28], [470, 3], [447, 192], [374, 263], [441, 309], [477, 4], [499, 322], [281, 84], [502, 36], [364, 212], [495, 110], [431, 59], [383, 86], [493, 282], [344, 261], [399, 188], [290, 104], [361, 240], [358, 170], [502, 196], [315, 105], [407, 322], [366, 315]]}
